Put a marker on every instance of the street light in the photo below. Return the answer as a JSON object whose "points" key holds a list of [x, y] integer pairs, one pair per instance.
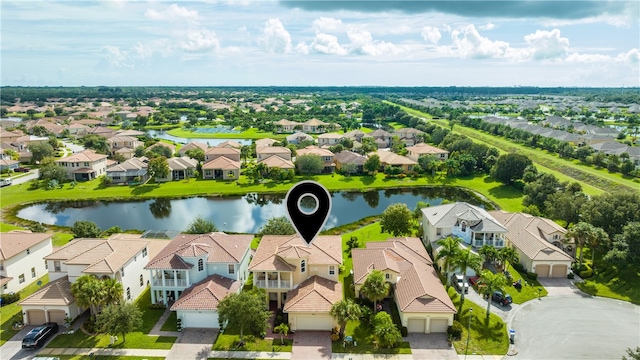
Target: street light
{"points": [[468, 333]]}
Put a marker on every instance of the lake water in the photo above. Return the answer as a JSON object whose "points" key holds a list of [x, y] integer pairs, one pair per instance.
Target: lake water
{"points": [[181, 140], [244, 214]]}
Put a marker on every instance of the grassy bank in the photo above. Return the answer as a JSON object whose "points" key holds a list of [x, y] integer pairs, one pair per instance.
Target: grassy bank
{"points": [[247, 134]]}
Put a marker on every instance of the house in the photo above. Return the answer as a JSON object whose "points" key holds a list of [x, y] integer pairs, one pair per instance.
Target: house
{"points": [[393, 159], [121, 141], [315, 126], [216, 152], [77, 129], [383, 138], [349, 157], [197, 271], [84, 165], [409, 136], [540, 242], [180, 168], [421, 299], [356, 135], [300, 278], [326, 156], [9, 164], [121, 257], [275, 161], [21, 254], [264, 142], [128, 171], [267, 151], [102, 131], [425, 149], [10, 136], [221, 163], [192, 145], [230, 143], [286, 126], [299, 137], [329, 139], [130, 132]]}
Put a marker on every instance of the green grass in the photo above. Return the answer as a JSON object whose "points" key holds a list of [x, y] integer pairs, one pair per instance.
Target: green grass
{"points": [[106, 357], [252, 133], [362, 335], [231, 337], [4, 227], [8, 312], [60, 238], [529, 290], [171, 323], [488, 335], [612, 282]]}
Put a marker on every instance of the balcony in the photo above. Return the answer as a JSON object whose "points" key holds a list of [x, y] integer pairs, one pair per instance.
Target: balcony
{"points": [[170, 282], [273, 284]]}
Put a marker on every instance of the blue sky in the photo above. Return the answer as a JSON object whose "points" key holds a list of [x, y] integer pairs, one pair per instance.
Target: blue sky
{"points": [[320, 43]]}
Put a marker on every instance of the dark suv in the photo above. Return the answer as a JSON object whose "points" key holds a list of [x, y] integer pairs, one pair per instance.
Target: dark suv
{"points": [[502, 299], [39, 335]]}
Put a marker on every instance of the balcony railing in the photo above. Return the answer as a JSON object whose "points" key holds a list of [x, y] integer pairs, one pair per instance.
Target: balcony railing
{"points": [[170, 282], [261, 283], [157, 282], [273, 284]]}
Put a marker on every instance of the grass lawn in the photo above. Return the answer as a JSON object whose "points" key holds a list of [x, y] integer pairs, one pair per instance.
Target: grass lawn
{"points": [[529, 290], [8, 312], [171, 323], [363, 337], [104, 357], [60, 238], [488, 335], [231, 337], [610, 281], [4, 227], [252, 133], [134, 340]]}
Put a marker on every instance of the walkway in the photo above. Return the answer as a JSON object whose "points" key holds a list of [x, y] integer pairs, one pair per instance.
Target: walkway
{"points": [[156, 328]]}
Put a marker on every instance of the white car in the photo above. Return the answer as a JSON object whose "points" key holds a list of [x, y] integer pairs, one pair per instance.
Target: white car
{"points": [[5, 182], [458, 281]]}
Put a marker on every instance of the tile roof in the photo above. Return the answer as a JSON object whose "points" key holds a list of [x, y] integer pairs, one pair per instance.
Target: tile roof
{"points": [[388, 157], [315, 122], [221, 247], [346, 156], [316, 294], [230, 143], [446, 216], [272, 150], [423, 148], [264, 142], [222, 162], [13, 243], [83, 156], [275, 249], [222, 151], [315, 151], [57, 292], [193, 145], [182, 163], [206, 294], [277, 161]]}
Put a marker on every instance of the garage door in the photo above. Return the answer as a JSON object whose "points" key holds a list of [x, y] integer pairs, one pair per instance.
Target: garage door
{"points": [[200, 320], [317, 322], [559, 271], [57, 316], [439, 325], [36, 317], [542, 270], [416, 325]]}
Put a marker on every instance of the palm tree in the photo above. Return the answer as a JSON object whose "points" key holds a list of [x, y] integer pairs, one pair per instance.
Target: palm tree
{"points": [[448, 251], [343, 311], [283, 329], [581, 233], [375, 287], [113, 291], [507, 255], [465, 260], [491, 282], [245, 152], [597, 238], [489, 253], [87, 290]]}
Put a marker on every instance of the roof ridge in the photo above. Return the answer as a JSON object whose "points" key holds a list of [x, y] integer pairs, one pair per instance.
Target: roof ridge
{"points": [[87, 250]]}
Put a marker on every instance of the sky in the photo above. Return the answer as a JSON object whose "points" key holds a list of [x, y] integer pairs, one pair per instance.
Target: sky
{"points": [[320, 43]]}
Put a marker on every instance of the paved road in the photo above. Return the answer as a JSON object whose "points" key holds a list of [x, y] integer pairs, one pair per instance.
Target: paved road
{"points": [[33, 174], [74, 148], [576, 327], [12, 349]]}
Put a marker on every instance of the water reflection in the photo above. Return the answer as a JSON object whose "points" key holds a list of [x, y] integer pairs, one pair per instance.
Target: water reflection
{"points": [[211, 142]]}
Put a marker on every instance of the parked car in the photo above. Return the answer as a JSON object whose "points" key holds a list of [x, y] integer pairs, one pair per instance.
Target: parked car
{"points": [[5, 182], [22, 169], [39, 335], [502, 299], [458, 281]]}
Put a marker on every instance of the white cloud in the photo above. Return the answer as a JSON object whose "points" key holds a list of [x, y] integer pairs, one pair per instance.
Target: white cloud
{"points": [[199, 40], [173, 12], [116, 57], [468, 43], [431, 34], [326, 24], [362, 43], [275, 38], [327, 44], [547, 45], [487, 26], [632, 56]]}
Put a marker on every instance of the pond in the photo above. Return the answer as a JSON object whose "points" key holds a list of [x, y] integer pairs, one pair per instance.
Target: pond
{"points": [[243, 214], [181, 140]]}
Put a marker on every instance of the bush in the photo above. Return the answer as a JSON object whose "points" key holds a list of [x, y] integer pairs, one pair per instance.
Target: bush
{"points": [[586, 273], [518, 266], [570, 276], [10, 298], [532, 276], [367, 315], [157, 306], [455, 330]]}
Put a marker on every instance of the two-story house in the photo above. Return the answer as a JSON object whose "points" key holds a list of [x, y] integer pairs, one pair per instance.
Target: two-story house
{"points": [[326, 156], [221, 163], [422, 301], [297, 138], [191, 146], [383, 138], [315, 126], [422, 149], [329, 139], [121, 257], [195, 271], [286, 126], [122, 141], [409, 136], [84, 165], [300, 278], [128, 171], [393, 159], [21, 254]]}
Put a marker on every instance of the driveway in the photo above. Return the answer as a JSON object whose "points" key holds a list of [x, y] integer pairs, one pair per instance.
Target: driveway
{"points": [[74, 148], [431, 346], [502, 311], [311, 345], [12, 349], [560, 286], [193, 344], [576, 327]]}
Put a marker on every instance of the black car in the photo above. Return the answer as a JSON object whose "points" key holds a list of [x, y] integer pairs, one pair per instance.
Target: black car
{"points": [[39, 335], [502, 299], [21, 169]]}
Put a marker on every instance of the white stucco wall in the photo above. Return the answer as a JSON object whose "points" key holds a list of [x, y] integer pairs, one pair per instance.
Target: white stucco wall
{"points": [[22, 263]]}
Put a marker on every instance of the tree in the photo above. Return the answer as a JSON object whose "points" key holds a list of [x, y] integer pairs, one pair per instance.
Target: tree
{"points": [[385, 332], [200, 225], [245, 310], [634, 354], [52, 171], [349, 168], [626, 246], [491, 282], [86, 229], [112, 291], [95, 142], [429, 163], [465, 260], [372, 165], [119, 319], [277, 226], [507, 255], [39, 151], [537, 192], [375, 287], [417, 212], [581, 233], [510, 167], [565, 205], [343, 311], [196, 153], [448, 252], [158, 167], [283, 330], [88, 292], [396, 220], [489, 253], [160, 150], [612, 211], [309, 164]]}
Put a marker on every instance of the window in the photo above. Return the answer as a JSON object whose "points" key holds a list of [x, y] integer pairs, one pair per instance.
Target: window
{"points": [[556, 237], [144, 252], [28, 251], [46, 265], [56, 266], [232, 269], [141, 280], [303, 266], [122, 272], [463, 225], [1, 265], [21, 278], [86, 164], [128, 293], [200, 265], [33, 272], [332, 270], [387, 276], [4, 287], [135, 258], [438, 231]]}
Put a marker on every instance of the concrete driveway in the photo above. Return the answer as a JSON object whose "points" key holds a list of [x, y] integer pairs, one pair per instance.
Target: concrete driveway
{"points": [[431, 346], [193, 344], [311, 345], [576, 327], [12, 349]]}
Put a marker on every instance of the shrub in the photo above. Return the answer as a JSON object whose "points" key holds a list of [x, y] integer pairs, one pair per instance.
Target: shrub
{"points": [[353, 243], [157, 306], [570, 276], [367, 315], [10, 298], [586, 273], [455, 330], [335, 337], [532, 276], [518, 266]]}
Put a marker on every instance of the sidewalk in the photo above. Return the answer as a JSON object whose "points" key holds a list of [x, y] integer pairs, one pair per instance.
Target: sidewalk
{"points": [[156, 328], [103, 352]]}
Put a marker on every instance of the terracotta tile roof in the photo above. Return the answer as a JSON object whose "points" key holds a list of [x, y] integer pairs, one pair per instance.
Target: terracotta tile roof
{"points": [[315, 122], [230, 143], [423, 148], [316, 294], [222, 151], [275, 249], [285, 122], [182, 163], [57, 292], [83, 156], [264, 142], [221, 247], [222, 162], [388, 157], [13, 243], [193, 145], [272, 150], [206, 294], [277, 161], [314, 150], [346, 156]]}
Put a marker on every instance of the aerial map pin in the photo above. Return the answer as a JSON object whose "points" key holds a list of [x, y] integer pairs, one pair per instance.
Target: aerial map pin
{"points": [[308, 206]]}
